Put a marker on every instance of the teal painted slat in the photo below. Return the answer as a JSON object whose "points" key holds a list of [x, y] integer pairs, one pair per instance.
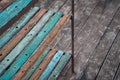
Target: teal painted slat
{"points": [[24, 42], [31, 47], [63, 61], [36, 65], [7, 36], [12, 11], [51, 65]]}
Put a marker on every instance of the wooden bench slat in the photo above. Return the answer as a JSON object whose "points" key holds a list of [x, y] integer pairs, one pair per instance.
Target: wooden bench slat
{"points": [[31, 48], [12, 11], [51, 65], [43, 65], [24, 42], [14, 41], [7, 36], [43, 47], [63, 61], [35, 66]]}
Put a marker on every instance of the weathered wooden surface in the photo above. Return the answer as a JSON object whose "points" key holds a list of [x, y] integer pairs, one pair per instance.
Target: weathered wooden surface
{"points": [[11, 32], [43, 46], [43, 65], [103, 48], [4, 4], [13, 42]]}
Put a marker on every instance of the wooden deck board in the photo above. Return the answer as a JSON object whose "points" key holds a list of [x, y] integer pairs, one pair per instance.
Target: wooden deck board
{"points": [[102, 49]]}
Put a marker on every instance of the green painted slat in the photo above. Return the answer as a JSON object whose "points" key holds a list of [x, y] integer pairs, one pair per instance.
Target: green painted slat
{"points": [[24, 42], [63, 61], [7, 36], [12, 11], [51, 65], [31, 47], [36, 65]]}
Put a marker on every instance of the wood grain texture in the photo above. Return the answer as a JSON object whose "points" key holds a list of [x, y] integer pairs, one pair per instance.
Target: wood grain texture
{"points": [[13, 42], [35, 66], [7, 36], [4, 4], [29, 50], [46, 73], [89, 37], [13, 9], [43, 46], [43, 65], [58, 69], [103, 48]]}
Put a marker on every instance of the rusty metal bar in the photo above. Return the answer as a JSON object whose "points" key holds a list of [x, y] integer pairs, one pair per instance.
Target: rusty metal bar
{"points": [[72, 35]]}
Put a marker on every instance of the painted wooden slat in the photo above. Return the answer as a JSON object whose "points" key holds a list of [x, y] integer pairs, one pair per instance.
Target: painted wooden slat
{"points": [[43, 46], [25, 41], [6, 37], [63, 61], [12, 11], [32, 47], [51, 65], [36, 65], [43, 65], [22, 33]]}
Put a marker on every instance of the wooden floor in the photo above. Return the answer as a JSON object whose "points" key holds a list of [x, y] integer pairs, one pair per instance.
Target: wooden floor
{"points": [[97, 38]]}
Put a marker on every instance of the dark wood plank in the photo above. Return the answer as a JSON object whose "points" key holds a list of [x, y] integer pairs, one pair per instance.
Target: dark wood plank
{"points": [[4, 4], [89, 36], [111, 63], [102, 48]]}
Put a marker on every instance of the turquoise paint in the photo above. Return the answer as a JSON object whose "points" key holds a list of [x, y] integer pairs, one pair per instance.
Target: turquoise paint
{"points": [[36, 65], [12, 31], [24, 42], [31, 48], [12, 11], [63, 61], [51, 65]]}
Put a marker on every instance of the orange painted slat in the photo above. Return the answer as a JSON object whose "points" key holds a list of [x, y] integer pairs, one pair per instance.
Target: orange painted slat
{"points": [[42, 48], [13, 42]]}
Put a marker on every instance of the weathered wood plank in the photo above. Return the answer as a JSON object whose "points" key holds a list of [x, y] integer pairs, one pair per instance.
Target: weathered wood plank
{"points": [[43, 46], [24, 42], [6, 37], [4, 4], [89, 37], [117, 75], [28, 51], [33, 68], [111, 62], [51, 65], [43, 65], [12, 11], [14, 41], [103, 47], [63, 61]]}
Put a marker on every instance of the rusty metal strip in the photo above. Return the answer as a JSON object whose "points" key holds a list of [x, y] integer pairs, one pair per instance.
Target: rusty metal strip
{"points": [[13, 42], [43, 46]]}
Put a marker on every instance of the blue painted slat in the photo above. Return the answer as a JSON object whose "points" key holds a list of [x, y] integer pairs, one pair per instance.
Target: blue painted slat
{"points": [[51, 65], [31, 47], [12, 11], [36, 65], [24, 42], [63, 61], [7, 36]]}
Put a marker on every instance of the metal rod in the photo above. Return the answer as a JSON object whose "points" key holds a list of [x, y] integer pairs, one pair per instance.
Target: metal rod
{"points": [[72, 35]]}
